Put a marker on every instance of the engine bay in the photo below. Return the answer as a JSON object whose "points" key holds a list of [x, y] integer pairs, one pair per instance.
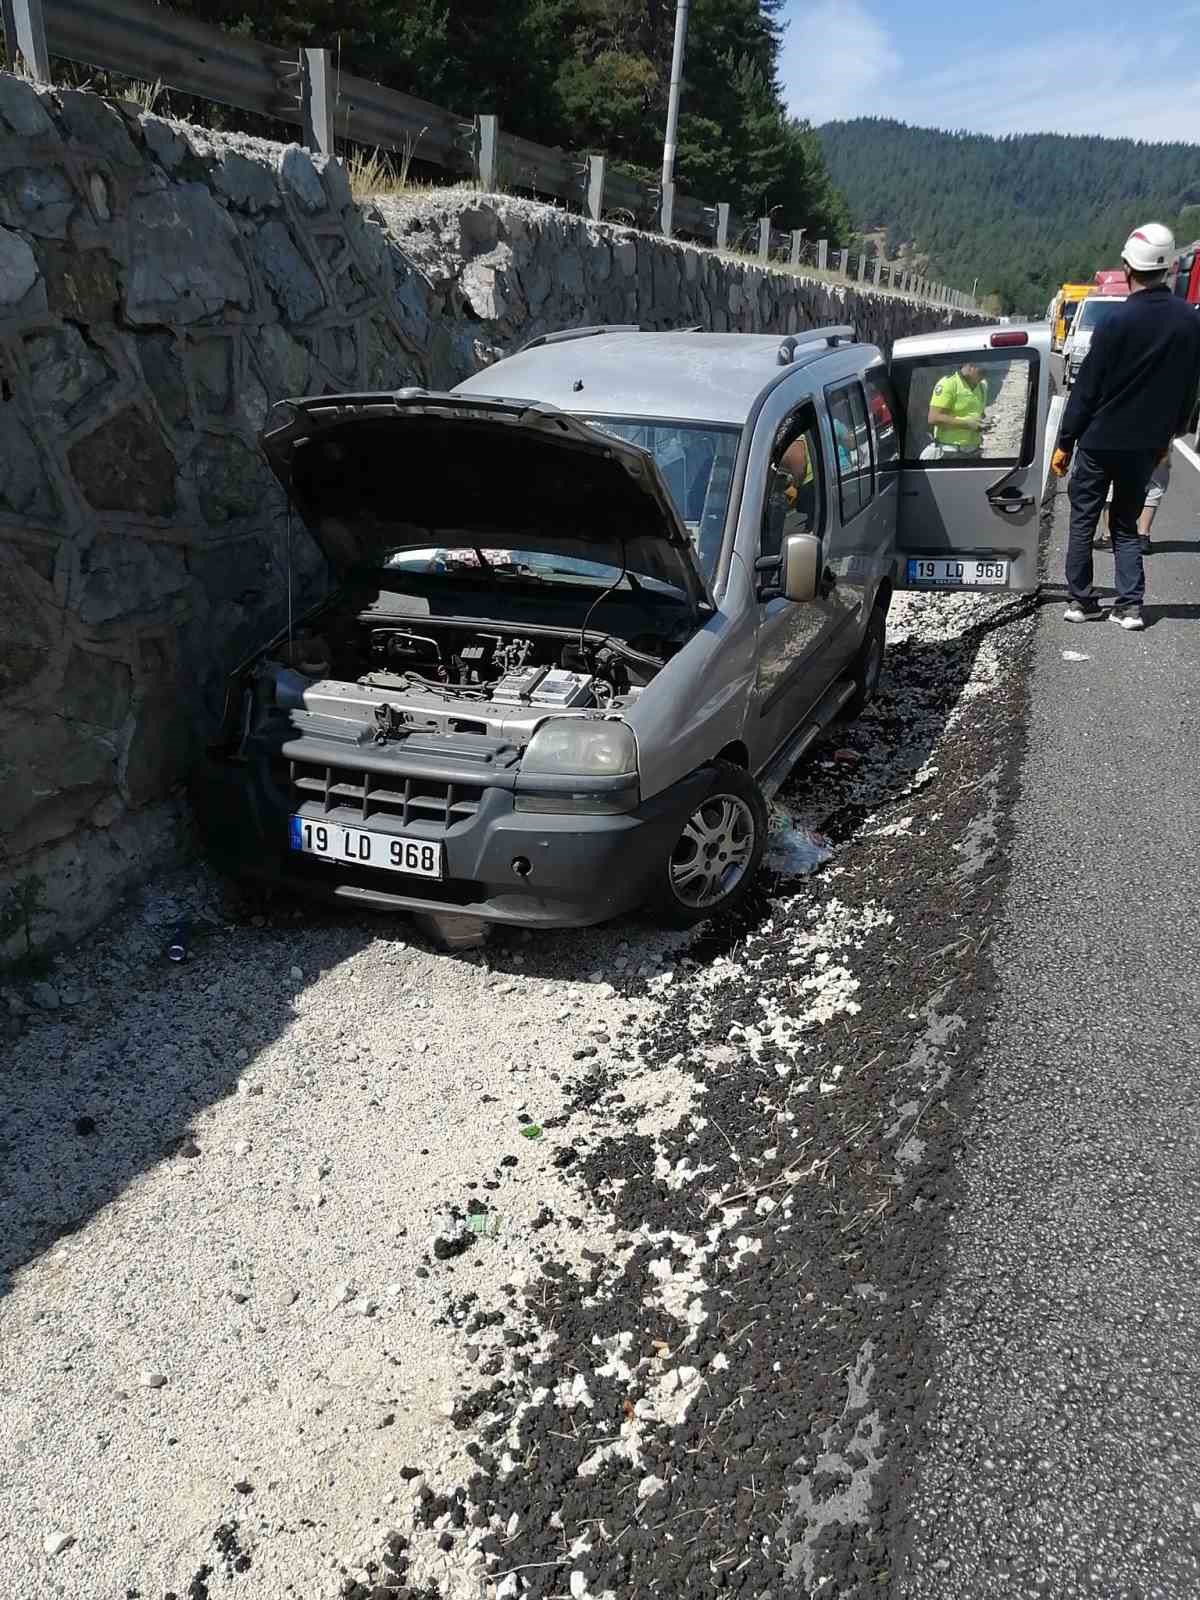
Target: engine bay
{"points": [[512, 669], [382, 677], [555, 668]]}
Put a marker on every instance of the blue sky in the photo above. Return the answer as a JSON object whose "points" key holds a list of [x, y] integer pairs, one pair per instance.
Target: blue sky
{"points": [[997, 68]]}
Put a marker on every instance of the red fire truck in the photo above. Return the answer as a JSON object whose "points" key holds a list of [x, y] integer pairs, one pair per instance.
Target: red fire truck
{"points": [[1187, 273], [1111, 281]]}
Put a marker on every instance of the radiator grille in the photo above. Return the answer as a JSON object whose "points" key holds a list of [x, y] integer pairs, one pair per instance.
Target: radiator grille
{"points": [[352, 795]]}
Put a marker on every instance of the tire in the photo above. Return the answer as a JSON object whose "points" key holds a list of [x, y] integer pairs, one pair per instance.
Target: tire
{"points": [[868, 663], [734, 809]]}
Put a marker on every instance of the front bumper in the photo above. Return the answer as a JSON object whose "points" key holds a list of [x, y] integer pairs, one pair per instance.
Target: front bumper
{"points": [[582, 869]]}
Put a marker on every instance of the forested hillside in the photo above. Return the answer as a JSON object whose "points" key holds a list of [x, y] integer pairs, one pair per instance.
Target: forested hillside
{"points": [[1024, 213], [587, 75]]}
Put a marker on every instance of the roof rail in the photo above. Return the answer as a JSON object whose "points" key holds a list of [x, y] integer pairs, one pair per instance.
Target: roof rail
{"points": [[579, 333], [829, 336]]}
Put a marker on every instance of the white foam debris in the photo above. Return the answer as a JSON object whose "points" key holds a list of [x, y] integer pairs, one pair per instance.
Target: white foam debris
{"points": [[615, 1366], [668, 1399]]}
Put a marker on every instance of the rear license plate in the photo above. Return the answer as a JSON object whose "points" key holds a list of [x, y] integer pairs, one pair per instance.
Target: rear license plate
{"points": [[969, 573], [362, 847]]}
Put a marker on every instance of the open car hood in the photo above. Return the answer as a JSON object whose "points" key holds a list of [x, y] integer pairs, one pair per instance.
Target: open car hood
{"points": [[370, 473]]}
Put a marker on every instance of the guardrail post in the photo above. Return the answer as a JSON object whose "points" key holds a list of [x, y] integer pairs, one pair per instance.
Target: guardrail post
{"points": [[764, 238], [722, 224], [797, 241], [844, 262], [25, 30], [878, 270], [487, 151], [666, 214], [316, 101], [595, 188], [862, 267], [822, 253]]}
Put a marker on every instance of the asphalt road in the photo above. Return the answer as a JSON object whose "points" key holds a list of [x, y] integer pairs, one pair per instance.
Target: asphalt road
{"points": [[1063, 1448]]}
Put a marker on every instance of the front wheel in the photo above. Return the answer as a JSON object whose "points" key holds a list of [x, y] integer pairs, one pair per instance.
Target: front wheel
{"points": [[719, 850]]}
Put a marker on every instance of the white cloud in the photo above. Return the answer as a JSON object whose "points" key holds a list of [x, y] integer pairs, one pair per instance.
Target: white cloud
{"points": [[835, 61], [1099, 88], [840, 60]]}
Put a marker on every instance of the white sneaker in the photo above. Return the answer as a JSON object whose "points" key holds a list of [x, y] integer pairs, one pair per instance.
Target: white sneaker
{"points": [[1082, 611], [1127, 617]]}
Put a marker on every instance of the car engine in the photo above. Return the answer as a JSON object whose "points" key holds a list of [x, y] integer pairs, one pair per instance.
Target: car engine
{"points": [[507, 670], [372, 677]]}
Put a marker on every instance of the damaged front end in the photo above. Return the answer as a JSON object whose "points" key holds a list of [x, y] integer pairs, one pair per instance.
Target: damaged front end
{"points": [[447, 732]]}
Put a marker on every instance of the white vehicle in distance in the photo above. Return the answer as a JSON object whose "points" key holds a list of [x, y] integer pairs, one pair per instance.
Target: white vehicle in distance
{"points": [[1097, 308]]}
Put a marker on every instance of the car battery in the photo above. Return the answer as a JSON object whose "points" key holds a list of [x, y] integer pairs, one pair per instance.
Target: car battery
{"points": [[563, 690], [518, 684]]}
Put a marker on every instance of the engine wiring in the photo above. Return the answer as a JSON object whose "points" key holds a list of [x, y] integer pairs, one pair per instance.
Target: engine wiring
{"points": [[603, 595]]}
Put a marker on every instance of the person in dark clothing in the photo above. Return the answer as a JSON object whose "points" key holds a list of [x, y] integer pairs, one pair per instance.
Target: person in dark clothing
{"points": [[1134, 394]]}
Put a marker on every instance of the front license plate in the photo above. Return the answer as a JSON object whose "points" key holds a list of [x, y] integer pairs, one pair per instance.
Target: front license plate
{"points": [[969, 573], [362, 847]]}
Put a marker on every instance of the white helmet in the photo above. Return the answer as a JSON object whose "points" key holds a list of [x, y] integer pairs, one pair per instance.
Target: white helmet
{"points": [[1149, 248]]}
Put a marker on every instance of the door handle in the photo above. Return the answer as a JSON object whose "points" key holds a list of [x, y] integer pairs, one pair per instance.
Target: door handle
{"points": [[1009, 500]]}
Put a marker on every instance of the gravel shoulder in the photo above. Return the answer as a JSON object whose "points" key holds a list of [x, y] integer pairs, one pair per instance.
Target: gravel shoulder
{"points": [[295, 1305]]}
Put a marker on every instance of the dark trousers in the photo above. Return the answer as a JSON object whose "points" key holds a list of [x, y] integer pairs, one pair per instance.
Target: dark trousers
{"points": [[1129, 473]]}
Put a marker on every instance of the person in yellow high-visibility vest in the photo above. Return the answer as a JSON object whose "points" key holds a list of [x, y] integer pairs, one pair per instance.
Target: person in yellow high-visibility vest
{"points": [[957, 411]]}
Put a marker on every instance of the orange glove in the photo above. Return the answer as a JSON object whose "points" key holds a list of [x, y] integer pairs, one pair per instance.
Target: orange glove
{"points": [[1059, 462], [790, 494]]}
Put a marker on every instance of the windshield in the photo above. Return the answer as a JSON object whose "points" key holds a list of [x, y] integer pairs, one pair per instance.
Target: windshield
{"points": [[695, 461], [1094, 312]]}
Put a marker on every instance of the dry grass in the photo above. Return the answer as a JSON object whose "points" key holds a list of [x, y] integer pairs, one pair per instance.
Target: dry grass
{"points": [[146, 95], [374, 174]]}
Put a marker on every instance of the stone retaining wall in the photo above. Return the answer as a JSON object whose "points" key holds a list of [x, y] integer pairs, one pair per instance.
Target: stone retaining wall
{"points": [[160, 287]]}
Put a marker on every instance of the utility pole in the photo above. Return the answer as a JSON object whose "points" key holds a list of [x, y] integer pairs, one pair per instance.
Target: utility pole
{"points": [[668, 166]]}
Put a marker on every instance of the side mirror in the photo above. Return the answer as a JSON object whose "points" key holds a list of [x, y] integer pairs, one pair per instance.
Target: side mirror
{"points": [[801, 566]]}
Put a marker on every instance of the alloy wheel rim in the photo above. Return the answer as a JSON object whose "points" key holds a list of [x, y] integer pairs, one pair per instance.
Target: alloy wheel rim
{"points": [[713, 851]]}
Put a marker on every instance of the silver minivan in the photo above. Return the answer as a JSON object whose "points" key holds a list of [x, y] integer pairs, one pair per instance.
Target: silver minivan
{"points": [[593, 604]]}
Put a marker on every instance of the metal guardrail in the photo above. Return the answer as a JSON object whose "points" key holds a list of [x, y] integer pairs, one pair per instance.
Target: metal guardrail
{"points": [[148, 42]]}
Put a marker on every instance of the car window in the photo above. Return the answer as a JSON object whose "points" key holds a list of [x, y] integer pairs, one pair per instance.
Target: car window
{"points": [[695, 460], [1094, 312], [881, 403], [851, 450], [795, 495], [862, 439], [985, 400]]}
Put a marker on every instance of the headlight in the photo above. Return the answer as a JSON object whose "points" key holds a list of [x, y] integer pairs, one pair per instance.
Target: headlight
{"points": [[583, 745], [579, 764]]}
